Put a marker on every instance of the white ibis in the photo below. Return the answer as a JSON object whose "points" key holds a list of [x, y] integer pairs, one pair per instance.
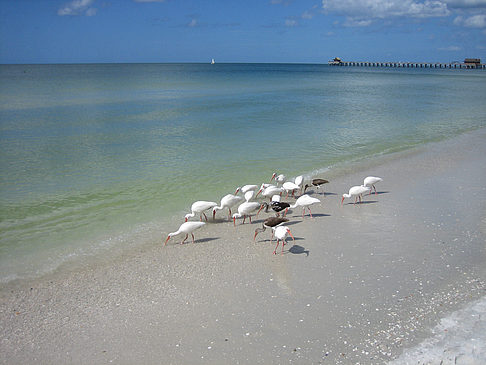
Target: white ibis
{"points": [[315, 182], [249, 195], [246, 188], [290, 187], [227, 201], [200, 207], [270, 223], [187, 227], [281, 233], [370, 181], [357, 192], [299, 180], [305, 201], [271, 191], [279, 179], [247, 209]]}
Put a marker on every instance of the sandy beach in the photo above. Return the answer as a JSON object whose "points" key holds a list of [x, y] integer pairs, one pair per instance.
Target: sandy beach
{"points": [[361, 283]]}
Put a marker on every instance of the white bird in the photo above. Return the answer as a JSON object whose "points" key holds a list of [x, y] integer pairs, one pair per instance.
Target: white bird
{"points": [[305, 201], [299, 180], [249, 195], [200, 207], [281, 233], [290, 187], [279, 179], [246, 188], [271, 191], [370, 181], [227, 201], [247, 209], [357, 192], [187, 227]]}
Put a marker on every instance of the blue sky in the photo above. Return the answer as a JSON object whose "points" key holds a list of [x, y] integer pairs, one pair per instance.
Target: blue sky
{"points": [[307, 31]]}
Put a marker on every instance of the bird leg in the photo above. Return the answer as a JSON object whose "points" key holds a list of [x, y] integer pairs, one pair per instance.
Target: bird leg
{"points": [[205, 216], [310, 213], [283, 244], [275, 251], [244, 217], [249, 217], [303, 212], [184, 240]]}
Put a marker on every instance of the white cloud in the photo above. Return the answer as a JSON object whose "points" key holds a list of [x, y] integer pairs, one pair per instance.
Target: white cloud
{"points": [[77, 7], [450, 49], [290, 23], [474, 21], [193, 23], [465, 3], [362, 13], [381, 9]]}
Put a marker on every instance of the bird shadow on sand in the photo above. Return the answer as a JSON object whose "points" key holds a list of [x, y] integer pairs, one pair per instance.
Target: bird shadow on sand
{"points": [[314, 215], [208, 239], [381, 192], [273, 240], [363, 202], [298, 250]]}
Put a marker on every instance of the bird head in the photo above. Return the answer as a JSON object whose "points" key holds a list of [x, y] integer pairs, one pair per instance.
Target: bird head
{"points": [[237, 190]]}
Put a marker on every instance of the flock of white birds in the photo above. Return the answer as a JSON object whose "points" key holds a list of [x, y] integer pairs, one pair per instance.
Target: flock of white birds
{"points": [[248, 206]]}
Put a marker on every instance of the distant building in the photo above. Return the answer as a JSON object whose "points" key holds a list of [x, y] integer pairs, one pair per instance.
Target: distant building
{"points": [[336, 62], [473, 61]]}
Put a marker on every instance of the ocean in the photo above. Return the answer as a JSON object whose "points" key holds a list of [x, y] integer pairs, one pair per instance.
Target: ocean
{"points": [[97, 159]]}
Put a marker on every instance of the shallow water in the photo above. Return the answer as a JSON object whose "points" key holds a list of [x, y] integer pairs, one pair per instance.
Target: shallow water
{"points": [[99, 158]]}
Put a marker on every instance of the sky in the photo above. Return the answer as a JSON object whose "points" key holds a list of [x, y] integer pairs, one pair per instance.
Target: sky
{"points": [[293, 31]]}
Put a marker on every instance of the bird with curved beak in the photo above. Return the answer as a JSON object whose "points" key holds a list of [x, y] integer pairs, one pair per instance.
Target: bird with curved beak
{"points": [[281, 233], [187, 227]]}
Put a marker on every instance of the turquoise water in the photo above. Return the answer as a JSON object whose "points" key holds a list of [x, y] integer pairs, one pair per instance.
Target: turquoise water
{"points": [[96, 158]]}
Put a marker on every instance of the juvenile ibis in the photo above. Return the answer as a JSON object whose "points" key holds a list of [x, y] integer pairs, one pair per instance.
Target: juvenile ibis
{"points": [[270, 223], [277, 207], [315, 182]]}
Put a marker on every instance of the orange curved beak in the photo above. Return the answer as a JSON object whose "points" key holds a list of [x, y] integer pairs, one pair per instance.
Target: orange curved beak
{"points": [[254, 237], [234, 221], [273, 176], [168, 238], [342, 200]]}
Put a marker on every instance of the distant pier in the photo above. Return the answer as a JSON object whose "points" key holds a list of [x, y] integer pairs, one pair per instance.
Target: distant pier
{"points": [[469, 63]]}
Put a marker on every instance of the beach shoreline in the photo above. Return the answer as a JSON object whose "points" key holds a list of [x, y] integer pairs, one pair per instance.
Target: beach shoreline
{"points": [[361, 283]]}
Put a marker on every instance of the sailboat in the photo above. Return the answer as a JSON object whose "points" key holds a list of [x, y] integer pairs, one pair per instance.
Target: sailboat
{"points": [[212, 61]]}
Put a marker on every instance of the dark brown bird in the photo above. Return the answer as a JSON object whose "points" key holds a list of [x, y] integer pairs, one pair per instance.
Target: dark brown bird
{"points": [[277, 207], [270, 223], [316, 183]]}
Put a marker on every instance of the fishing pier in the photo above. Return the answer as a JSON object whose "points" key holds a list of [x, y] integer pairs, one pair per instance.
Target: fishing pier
{"points": [[469, 63]]}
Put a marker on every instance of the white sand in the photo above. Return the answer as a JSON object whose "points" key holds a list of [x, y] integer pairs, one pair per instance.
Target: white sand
{"points": [[362, 283]]}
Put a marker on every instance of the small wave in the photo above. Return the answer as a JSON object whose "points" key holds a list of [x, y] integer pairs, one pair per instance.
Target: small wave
{"points": [[459, 338]]}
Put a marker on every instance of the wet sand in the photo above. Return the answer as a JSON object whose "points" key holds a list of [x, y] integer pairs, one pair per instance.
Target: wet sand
{"points": [[360, 284]]}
